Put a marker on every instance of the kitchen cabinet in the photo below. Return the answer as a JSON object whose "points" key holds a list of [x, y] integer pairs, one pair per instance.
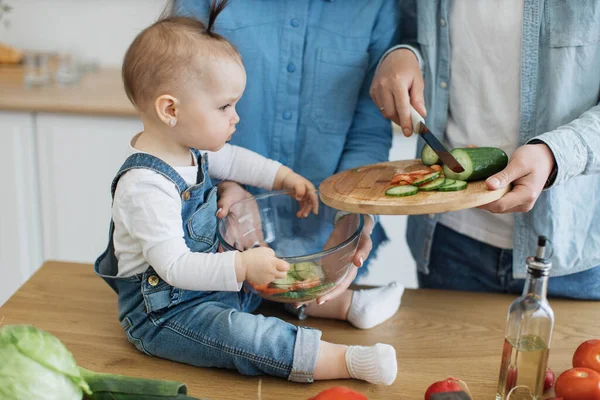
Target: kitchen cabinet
{"points": [[20, 230], [78, 158]]}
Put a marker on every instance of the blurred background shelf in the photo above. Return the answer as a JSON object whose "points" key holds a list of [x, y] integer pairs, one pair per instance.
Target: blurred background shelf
{"points": [[97, 93]]}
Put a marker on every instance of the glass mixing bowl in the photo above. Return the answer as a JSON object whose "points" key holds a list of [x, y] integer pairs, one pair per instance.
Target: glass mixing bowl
{"points": [[319, 248]]}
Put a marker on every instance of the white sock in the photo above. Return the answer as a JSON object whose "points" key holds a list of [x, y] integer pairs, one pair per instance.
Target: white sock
{"points": [[371, 307], [375, 364]]}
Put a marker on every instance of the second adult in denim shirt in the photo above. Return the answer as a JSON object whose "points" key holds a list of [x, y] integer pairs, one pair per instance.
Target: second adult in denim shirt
{"points": [[560, 94], [310, 64]]}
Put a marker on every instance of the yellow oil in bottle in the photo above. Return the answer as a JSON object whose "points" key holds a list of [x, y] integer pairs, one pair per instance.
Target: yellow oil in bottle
{"points": [[522, 369]]}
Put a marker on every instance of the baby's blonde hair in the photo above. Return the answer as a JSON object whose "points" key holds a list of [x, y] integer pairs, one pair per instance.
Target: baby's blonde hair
{"points": [[162, 56]]}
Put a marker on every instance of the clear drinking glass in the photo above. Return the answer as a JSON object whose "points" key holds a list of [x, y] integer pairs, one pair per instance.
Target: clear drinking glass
{"points": [[37, 71], [67, 69]]}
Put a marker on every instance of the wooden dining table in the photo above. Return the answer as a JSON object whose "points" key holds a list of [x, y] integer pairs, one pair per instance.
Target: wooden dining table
{"points": [[436, 334]]}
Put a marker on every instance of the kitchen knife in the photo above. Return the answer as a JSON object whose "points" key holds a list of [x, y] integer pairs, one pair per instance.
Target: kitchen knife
{"points": [[419, 127]]}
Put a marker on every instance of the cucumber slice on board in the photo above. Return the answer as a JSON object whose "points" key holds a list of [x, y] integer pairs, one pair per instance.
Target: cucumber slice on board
{"points": [[456, 186], [448, 182], [433, 185], [479, 163], [402, 191], [427, 178]]}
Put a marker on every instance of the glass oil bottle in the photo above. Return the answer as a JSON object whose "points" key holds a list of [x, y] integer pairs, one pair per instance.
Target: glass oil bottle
{"points": [[528, 334]]}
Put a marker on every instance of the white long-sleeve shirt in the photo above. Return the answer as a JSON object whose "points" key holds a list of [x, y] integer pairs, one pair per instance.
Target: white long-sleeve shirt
{"points": [[148, 224], [484, 98]]}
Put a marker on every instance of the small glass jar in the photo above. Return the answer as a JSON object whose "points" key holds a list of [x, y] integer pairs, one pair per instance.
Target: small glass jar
{"points": [[37, 70]]}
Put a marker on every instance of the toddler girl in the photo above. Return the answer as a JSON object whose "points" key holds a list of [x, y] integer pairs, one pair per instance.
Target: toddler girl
{"points": [[178, 297]]}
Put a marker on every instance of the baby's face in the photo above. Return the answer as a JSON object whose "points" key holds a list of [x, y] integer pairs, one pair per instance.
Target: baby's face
{"points": [[208, 108]]}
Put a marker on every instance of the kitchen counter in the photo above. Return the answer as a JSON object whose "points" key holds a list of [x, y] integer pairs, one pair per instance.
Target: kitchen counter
{"points": [[436, 334], [97, 93]]}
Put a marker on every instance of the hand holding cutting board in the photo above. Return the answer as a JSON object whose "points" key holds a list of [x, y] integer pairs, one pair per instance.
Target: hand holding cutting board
{"points": [[529, 171]]}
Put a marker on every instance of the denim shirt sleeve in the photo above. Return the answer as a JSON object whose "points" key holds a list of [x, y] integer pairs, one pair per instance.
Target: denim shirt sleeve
{"points": [[370, 136], [576, 146], [407, 31]]}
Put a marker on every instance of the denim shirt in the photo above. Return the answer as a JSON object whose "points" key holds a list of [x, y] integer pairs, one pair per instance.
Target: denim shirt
{"points": [[309, 67], [559, 99]]}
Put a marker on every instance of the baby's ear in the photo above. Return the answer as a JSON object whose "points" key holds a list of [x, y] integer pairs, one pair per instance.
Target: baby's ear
{"points": [[167, 109]]}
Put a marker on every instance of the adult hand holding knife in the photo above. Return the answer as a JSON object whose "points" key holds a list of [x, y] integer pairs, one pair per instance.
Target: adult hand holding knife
{"points": [[419, 127]]}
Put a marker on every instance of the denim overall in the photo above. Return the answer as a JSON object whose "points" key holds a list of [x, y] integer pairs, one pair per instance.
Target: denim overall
{"points": [[201, 328]]}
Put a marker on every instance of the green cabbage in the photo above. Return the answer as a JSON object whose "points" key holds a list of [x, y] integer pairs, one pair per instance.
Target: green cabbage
{"points": [[36, 365]]}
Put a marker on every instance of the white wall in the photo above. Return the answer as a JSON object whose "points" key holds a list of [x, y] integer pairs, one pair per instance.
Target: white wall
{"points": [[98, 30]]}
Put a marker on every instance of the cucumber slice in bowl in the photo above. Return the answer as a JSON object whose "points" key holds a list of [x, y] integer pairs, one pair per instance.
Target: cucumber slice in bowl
{"points": [[479, 163], [428, 156], [454, 187], [402, 191], [433, 185]]}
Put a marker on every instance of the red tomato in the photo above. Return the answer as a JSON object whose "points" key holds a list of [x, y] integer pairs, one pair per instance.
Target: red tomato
{"points": [[578, 384], [447, 386], [548, 380], [339, 393], [587, 355]]}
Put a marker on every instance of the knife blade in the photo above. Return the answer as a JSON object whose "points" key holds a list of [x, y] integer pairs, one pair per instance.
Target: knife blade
{"points": [[420, 128]]}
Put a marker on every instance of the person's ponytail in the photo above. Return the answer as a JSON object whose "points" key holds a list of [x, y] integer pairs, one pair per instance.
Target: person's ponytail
{"points": [[215, 9]]}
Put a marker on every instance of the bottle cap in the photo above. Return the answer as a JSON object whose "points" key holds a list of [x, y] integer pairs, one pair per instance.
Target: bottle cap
{"points": [[541, 262]]}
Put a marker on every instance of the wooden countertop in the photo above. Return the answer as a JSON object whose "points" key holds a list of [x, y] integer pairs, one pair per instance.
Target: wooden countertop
{"points": [[97, 93], [436, 334]]}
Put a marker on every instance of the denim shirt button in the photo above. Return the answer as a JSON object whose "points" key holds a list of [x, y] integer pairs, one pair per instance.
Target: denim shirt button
{"points": [[295, 22], [186, 196], [287, 115], [153, 280], [291, 67], [443, 85], [442, 22]]}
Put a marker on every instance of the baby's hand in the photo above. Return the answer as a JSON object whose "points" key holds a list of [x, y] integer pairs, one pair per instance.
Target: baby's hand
{"points": [[304, 191], [261, 266]]}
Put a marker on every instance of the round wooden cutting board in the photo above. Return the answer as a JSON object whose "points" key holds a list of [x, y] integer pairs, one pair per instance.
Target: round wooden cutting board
{"points": [[362, 190]]}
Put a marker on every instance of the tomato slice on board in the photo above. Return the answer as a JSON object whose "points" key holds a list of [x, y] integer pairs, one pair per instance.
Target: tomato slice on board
{"points": [[402, 177], [424, 171]]}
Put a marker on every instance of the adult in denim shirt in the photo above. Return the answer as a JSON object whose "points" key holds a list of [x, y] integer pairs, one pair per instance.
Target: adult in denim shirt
{"points": [[465, 52], [310, 64]]}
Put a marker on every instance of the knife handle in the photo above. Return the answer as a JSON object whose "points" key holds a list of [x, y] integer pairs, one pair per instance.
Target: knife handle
{"points": [[415, 118]]}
